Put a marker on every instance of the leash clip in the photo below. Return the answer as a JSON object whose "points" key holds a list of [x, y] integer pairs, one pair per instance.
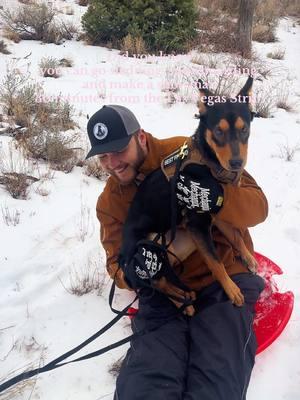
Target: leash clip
{"points": [[184, 151]]}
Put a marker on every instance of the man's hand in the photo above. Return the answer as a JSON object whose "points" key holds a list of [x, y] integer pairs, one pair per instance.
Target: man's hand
{"points": [[203, 195], [151, 263], [147, 263]]}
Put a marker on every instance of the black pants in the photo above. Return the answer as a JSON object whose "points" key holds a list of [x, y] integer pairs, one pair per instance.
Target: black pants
{"points": [[209, 356]]}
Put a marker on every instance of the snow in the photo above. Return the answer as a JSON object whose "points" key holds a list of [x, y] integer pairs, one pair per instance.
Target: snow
{"points": [[39, 318]]}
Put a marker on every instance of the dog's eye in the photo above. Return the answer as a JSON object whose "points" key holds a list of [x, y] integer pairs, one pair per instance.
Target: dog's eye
{"points": [[244, 132], [219, 133]]}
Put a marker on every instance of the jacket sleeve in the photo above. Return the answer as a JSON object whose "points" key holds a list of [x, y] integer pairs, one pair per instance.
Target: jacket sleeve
{"points": [[244, 205], [111, 238]]}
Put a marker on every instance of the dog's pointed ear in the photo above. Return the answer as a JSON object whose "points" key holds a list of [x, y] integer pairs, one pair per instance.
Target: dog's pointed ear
{"points": [[246, 90], [204, 93]]}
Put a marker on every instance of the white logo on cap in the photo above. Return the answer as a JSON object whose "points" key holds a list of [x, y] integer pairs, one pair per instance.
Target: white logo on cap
{"points": [[100, 131]]}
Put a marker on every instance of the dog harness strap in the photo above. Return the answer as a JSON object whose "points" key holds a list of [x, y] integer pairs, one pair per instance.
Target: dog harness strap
{"points": [[193, 156]]}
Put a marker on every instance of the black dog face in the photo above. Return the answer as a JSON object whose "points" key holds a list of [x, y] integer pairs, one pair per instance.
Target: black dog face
{"points": [[225, 126]]}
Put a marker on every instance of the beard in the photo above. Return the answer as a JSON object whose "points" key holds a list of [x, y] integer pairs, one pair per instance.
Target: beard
{"points": [[132, 169]]}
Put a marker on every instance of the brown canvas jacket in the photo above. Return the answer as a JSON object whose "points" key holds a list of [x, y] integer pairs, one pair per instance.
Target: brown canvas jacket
{"points": [[244, 206]]}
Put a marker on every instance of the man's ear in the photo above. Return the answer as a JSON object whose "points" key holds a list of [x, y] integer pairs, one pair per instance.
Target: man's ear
{"points": [[142, 138]]}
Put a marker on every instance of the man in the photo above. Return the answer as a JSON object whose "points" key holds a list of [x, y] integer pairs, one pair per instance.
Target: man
{"points": [[207, 356]]}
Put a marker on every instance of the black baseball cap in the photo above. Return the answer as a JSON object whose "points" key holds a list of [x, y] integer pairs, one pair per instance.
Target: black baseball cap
{"points": [[110, 129]]}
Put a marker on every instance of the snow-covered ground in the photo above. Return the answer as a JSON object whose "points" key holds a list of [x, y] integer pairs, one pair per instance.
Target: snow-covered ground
{"points": [[58, 234]]}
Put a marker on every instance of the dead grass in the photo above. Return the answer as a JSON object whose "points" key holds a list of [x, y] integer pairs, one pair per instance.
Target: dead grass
{"points": [[209, 60], [264, 33], [85, 225], [11, 35], [264, 103], [3, 48], [49, 67], [16, 173], [17, 184], [133, 46], [87, 280], [11, 217], [277, 54], [115, 367], [283, 97], [20, 388], [287, 152]]}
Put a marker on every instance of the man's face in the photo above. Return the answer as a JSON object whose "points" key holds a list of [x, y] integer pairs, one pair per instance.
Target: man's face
{"points": [[124, 164]]}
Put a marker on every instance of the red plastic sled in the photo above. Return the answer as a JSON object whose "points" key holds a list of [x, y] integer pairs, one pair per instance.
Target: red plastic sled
{"points": [[273, 309]]}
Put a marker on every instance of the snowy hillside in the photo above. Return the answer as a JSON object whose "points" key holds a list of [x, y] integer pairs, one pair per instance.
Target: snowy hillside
{"points": [[57, 236]]}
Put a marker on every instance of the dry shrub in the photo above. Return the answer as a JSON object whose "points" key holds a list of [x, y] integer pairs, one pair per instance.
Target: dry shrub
{"points": [[133, 46], [60, 31], [11, 35], [16, 184], [285, 105], [216, 33], [180, 81], [229, 6], [44, 121], [66, 62], [267, 12], [30, 22], [51, 145], [292, 8], [25, 101], [69, 10], [177, 86], [92, 167], [3, 48], [49, 67], [83, 3], [16, 91], [26, 2], [15, 175], [37, 22], [209, 60], [264, 33], [56, 114], [218, 23]]}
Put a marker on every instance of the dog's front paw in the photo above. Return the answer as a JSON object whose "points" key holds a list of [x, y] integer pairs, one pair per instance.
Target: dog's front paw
{"points": [[250, 262], [234, 293]]}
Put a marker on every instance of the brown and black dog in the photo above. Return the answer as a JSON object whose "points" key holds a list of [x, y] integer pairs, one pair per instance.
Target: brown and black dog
{"points": [[218, 147]]}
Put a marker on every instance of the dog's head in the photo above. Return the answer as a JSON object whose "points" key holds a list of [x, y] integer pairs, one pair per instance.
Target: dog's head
{"points": [[224, 126]]}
